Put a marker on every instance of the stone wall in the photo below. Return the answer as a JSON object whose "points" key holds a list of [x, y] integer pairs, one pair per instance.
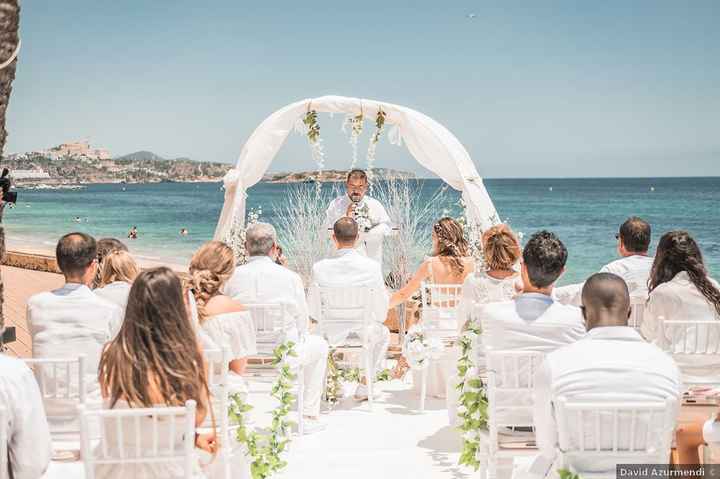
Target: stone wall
{"points": [[35, 262]]}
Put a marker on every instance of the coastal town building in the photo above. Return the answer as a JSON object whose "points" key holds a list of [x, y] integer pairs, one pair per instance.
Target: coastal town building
{"points": [[34, 174], [79, 149]]}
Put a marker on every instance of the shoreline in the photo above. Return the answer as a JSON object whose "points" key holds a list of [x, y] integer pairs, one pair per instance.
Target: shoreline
{"points": [[42, 258]]}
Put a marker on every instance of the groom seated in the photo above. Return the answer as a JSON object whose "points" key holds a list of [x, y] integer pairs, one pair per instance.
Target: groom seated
{"points": [[350, 268], [263, 281]]}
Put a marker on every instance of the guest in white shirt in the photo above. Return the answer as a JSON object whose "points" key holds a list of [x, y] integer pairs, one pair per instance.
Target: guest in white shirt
{"points": [[611, 363], [223, 318], [350, 268], [263, 281], [533, 321], [117, 272], [29, 444], [633, 242], [73, 320], [369, 213], [105, 246], [680, 289]]}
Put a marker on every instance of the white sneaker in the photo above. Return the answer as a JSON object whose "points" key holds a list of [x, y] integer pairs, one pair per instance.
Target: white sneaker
{"points": [[311, 426]]}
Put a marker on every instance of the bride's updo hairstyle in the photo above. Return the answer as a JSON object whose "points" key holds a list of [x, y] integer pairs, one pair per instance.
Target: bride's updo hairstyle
{"points": [[451, 243], [501, 248], [210, 268]]}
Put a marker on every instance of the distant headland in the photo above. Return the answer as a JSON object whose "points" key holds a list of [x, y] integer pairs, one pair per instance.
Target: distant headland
{"points": [[77, 163]]}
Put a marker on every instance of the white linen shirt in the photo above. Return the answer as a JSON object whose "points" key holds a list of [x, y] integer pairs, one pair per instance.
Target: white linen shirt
{"points": [[530, 322], [349, 268], [261, 280], [369, 243], [609, 364], [29, 444], [72, 320], [635, 270], [116, 292], [679, 299]]}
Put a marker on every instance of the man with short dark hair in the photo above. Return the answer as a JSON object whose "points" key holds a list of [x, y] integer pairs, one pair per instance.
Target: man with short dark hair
{"points": [[533, 321], [350, 268], [634, 264], [73, 320], [370, 215], [611, 363]]}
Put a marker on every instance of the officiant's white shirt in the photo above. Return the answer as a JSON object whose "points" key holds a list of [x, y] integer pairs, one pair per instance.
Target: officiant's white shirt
{"points": [[609, 364], [370, 243], [679, 299], [349, 268], [28, 439], [261, 280], [72, 320]]}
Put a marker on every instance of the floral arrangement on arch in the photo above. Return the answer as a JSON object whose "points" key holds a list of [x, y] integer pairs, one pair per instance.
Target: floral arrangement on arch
{"points": [[235, 238]]}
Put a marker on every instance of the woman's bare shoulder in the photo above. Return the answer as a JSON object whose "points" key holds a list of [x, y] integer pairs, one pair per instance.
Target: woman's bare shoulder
{"points": [[222, 304]]}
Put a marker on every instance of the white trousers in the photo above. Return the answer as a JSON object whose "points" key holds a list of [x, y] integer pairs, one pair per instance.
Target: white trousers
{"points": [[313, 355], [379, 339]]}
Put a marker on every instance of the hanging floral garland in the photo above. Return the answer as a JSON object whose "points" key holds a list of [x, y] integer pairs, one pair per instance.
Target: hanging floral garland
{"points": [[472, 409], [354, 125], [266, 450], [316, 144], [372, 147], [235, 238]]}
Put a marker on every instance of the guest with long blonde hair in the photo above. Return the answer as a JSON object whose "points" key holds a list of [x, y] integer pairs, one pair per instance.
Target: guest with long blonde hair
{"points": [[155, 360], [224, 319], [117, 273]]}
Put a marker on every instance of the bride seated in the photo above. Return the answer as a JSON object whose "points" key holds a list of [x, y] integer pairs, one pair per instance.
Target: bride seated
{"points": [[449, 264]]}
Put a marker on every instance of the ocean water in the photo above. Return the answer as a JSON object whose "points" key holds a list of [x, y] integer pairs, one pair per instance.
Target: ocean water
{"points": [[585, 213]]}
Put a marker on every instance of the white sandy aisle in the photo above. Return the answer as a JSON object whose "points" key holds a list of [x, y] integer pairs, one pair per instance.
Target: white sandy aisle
{"points": [[392, 441]]}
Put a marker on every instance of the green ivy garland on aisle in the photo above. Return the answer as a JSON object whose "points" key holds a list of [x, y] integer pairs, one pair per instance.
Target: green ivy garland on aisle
{"points": [[336, 375], [265, 450], [472, 409]]}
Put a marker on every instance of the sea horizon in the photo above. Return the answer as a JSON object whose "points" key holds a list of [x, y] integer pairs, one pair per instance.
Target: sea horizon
{"points": [[584, 212]]}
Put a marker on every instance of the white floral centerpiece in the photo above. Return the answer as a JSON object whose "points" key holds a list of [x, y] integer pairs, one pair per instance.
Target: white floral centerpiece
{"points": [[361, 215], [418, 348]]}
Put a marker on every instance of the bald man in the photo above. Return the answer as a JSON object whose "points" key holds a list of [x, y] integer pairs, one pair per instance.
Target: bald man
{"points": [[611, 363]]}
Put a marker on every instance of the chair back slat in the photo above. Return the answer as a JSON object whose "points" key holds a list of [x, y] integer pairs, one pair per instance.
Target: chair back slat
{"points": [[269, 321], [510, 384], [616, 433], [637, 311], [62, 387], [439, 310], [123, 426], [3, 443]]}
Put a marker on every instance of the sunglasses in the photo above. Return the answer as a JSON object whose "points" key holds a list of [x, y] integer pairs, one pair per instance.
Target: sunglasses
{"points": [[617, 236]]}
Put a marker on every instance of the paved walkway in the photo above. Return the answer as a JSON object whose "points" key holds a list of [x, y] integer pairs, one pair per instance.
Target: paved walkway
{"points": [[19, 285]]}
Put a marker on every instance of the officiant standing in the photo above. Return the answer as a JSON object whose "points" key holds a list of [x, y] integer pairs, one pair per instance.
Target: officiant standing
{"points": [[370, 215]]}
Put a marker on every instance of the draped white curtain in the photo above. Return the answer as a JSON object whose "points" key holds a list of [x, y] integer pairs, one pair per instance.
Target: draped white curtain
{"points": [[432, 145]]}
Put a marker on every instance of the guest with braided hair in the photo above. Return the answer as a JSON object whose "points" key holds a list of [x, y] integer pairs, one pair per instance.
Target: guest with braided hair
{"points": [[226, 321], [449, 264], [681, 289]]}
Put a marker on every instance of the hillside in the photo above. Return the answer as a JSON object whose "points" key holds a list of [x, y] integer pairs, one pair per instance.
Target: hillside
{"points": [[330, 176]]}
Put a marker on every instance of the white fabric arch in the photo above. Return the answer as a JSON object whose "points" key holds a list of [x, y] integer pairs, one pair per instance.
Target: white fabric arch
{"points": [[432, 145]]}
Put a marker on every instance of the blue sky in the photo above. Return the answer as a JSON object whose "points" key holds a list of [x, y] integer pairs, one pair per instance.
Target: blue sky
{"points": [[611, 88]]}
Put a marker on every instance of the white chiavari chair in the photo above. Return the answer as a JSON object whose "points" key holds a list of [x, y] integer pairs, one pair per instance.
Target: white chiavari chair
{"points": [[271, 322], [692, 344], [217, 361], [439, 319], [594, 437], [348, 308], [3, 443], [62, 384], [637, 312], [133, 439], [510, 382]]}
